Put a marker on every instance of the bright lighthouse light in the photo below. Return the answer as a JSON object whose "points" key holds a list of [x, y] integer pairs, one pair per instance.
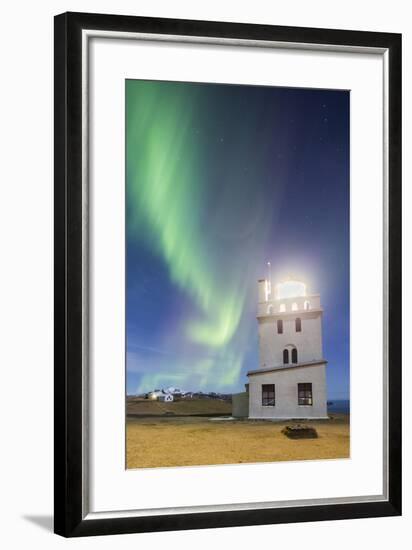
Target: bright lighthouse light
{"points": [[290, 289]]}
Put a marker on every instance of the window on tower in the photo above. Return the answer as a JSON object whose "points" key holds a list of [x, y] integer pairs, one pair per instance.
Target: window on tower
{"points": [[294, 355], [305, 394], [285, 356], [298, 324], [268, 395], [282, 308], [306, 305], [280, 326], [294, 306]]}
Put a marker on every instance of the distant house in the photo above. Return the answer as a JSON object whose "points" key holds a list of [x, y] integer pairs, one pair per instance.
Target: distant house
{"points": [[168, 397], [159, 395]]}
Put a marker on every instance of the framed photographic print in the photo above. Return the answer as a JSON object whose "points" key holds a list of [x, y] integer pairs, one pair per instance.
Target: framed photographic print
{"points": [[227, 274]]}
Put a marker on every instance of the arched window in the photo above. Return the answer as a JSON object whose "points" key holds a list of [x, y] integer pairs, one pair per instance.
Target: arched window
{"points": [[285, 356], [298, 324], [294, 306], [282, 307], [280, 326], [294, 355], [306, 305], [270, 310]]}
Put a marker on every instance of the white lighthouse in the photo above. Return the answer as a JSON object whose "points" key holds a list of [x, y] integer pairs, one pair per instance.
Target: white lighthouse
{"points": [[291, 379]]}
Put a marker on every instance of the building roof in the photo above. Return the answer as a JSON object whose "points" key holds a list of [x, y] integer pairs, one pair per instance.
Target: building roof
{"points": [[289, 366]]}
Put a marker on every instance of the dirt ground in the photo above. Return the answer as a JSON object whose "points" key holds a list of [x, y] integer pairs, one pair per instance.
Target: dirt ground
{"points": [[157, 442]]}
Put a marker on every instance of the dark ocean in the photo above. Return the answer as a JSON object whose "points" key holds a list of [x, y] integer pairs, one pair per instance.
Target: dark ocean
{"points": [[338, 406]]}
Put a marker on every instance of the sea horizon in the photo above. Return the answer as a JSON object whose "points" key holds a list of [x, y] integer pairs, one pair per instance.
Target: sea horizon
{"points": [[339, 405]]}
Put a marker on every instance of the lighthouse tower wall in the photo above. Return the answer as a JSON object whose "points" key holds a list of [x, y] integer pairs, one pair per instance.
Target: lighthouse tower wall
{"points": [[308, 341]]}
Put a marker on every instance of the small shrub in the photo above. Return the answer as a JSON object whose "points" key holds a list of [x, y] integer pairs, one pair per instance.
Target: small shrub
{"points": [[300, 431]]}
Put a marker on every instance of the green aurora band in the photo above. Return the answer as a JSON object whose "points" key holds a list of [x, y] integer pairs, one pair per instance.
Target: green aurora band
{"points": [[209, 255]]}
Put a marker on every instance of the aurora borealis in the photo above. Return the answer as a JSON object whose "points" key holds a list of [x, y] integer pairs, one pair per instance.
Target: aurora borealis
{"points": [[221, 179]]}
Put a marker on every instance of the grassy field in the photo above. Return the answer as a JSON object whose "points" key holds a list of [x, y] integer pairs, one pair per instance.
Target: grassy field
{"points": [[189, 441], [137, 406]]}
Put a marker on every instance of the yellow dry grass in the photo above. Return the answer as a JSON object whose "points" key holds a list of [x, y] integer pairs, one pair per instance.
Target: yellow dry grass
{"points": [[159, 442]]}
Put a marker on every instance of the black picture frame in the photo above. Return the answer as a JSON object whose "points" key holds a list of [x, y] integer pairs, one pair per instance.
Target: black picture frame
{"points": [[69, 489]]}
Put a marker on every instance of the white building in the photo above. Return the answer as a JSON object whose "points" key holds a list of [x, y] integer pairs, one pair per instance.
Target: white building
{"points": [[168, 397], [291, 379], [160, 395]]}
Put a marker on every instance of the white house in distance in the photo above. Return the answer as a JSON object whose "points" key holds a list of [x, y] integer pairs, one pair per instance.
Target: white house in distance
{"points": [[168, 397], [160, 395], [291, 379]]}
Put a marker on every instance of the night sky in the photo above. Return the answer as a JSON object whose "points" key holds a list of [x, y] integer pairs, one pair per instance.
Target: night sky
{"points": [[222, 179]]}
